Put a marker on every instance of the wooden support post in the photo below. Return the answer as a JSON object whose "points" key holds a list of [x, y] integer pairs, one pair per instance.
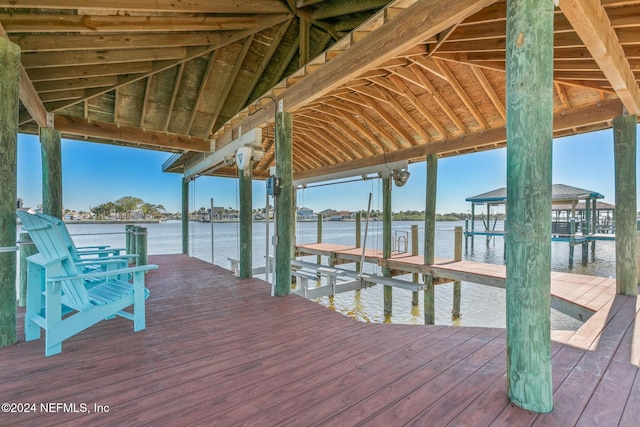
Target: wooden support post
{"points": [[294, 222], [585, 253], [185, 216], [246, 223], [572, 239], [319, 239], [27, 248], [429, 237], [594, 224], [130, 242], [488, 225], [529, 90], [415, 251], [9, 107], [51, 149], [466, 234], [624, 141], [457, 286], [386, 240], [587, 217], [141, 245], [358, 236], [284, 202], [473, 223]]}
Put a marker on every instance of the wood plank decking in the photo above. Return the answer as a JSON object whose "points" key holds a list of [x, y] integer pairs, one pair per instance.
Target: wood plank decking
{"points": [[218, 350]]}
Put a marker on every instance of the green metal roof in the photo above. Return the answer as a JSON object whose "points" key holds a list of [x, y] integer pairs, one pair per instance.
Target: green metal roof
{"points": [[559, 192]]}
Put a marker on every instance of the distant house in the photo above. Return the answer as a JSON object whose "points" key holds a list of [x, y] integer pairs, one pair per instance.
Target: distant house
{"points": [[328, 213], [306, 214], [218, 212], [342, 215]]}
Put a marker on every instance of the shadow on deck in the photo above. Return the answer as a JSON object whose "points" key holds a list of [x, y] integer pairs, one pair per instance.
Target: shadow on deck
{"points": [[218, 350]]}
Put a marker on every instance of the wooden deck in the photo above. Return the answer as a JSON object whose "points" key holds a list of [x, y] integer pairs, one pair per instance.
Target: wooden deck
{"points": [[218, 350]]}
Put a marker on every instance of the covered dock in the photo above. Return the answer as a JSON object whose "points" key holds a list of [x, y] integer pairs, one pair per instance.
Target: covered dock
{"points": [[302, 90], [218, 350]]}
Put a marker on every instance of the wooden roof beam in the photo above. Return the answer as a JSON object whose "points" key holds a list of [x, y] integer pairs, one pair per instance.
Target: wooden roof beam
{"points": [[399, 33], [218, 6], [49, 23], [491, 93], [28, 95], [277, 38], [464, 96], [192, 53], [174, 95], [418, 22], [148, 138], [355, 150], [346, 8], [490, 138], [590, 21], [417, 102]]}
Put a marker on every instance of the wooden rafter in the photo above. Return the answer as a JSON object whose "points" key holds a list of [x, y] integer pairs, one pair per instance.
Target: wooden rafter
{"points": [[417, 102], [76, 72], [174, 95], [28, 95], [350, 115], [219, 6], [491, 93], [277, 38], [232, 77], [368, 140], [406, 137], [48, 23], [329, 144], [421, 79], [203, 84], [145, 101], [562, 95], [464, 96], [192, 53], [133, 135], [355, 150], [407, 118], [590, 21], [492, 138]]}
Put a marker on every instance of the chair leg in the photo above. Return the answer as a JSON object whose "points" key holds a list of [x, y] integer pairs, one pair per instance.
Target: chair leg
{"points": [[53, 308], [35, 286], [138, 301]]}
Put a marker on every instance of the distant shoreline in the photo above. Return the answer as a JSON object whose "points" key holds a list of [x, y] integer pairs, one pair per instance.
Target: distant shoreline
{"points": [[112, 221]]}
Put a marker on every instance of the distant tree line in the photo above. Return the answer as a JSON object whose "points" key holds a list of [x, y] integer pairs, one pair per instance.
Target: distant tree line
{"points": [[419, 215], [124, 207]]}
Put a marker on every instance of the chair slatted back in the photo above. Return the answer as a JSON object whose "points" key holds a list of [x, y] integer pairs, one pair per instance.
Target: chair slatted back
{"points": [[47, 238], [64, 234]]}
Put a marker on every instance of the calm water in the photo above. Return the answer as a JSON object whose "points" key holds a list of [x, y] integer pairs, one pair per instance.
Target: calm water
{"points": [[480, 306]]}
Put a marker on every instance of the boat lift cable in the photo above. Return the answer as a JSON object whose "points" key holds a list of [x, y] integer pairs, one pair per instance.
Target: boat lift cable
{"points": [[191, 226], [238, 209], [364, 240]]}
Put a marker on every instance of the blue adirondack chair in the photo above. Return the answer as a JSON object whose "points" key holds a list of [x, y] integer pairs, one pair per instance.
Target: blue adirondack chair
{"points": [[84, 252], [58, 300]]}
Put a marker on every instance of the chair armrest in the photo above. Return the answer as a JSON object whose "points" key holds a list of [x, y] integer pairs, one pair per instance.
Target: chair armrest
{"points": [[104, 273], [100, 251], [44, 262]]}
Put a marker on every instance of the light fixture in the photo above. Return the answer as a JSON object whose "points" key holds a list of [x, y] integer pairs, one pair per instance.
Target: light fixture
{"points": [[243, 157], [401, 176]]}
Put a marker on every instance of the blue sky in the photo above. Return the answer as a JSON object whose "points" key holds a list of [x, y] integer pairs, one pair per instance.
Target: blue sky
{"points": [[99, 173]]}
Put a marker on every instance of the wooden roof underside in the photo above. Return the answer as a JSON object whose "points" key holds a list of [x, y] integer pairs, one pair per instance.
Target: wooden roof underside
{"points": [[417, 77]]}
